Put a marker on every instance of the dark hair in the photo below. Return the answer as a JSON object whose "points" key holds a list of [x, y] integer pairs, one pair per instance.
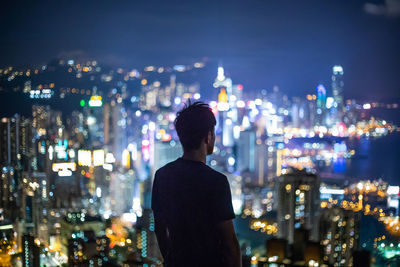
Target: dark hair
{"points": [[193, 123]]}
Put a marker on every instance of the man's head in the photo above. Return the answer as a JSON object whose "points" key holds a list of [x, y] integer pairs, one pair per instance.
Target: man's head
{"points": [[195, 125]]}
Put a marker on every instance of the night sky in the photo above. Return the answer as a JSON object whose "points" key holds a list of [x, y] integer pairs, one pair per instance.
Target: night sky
{"points": [[292, 44]]}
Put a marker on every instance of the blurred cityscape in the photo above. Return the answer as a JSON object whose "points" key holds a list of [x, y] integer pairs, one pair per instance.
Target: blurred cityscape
{"points": [[77, 165]]}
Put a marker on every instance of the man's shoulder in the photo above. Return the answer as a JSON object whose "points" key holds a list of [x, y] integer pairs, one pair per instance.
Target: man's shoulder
{"points": [[177, 164], [216, 174], [168, 167]]}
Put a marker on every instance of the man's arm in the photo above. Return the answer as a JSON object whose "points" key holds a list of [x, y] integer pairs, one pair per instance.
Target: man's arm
{"points": [[162, 235], [230, 244]]}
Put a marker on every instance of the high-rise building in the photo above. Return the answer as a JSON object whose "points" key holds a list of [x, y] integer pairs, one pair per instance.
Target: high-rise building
{"points": [[339, 235], [15, 141], [321, 97], [320, 105], [337, 85], [30, 252], [298, 204], [246, 151], [223, 82], [15, 151]]}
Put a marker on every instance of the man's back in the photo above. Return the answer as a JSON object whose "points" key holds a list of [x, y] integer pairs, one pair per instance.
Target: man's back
{"points": [[191, 198]]}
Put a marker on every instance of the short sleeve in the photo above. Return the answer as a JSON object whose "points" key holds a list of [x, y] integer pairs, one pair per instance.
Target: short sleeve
{"points": [[222, 205]]}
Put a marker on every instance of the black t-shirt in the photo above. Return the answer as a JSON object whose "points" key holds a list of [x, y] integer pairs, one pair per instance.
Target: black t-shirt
{"points": [[191, 198]]}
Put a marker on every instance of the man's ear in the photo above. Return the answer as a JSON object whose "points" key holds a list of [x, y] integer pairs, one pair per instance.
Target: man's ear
{"points": [[209, 137]]}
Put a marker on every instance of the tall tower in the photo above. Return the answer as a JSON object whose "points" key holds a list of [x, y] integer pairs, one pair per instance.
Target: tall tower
{"points": [[222, 82], [337, 85], [298, 204], [321, 97], [225, 123]]}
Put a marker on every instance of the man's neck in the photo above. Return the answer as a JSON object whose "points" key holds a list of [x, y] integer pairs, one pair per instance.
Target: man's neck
{"points": [[196, 155]]}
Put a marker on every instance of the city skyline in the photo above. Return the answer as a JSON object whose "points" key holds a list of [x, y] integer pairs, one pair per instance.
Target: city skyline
{"points": [[260, 48], [305, 105]]}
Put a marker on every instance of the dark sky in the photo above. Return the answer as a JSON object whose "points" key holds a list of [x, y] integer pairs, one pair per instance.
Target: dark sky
{"points": [[292, 44]]}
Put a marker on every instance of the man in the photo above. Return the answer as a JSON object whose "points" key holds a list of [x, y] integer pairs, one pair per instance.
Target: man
{"points": [[191, 202]]}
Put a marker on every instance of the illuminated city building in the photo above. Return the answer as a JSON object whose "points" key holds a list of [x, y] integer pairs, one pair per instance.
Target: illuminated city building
{"points": [[339, 235], [320, 108], [15, 152], [30, 252], [221, 81], [101, 157], [321, 97], [337, 85], [338, 106], [226, 100], [298, 204], [246, 146]]}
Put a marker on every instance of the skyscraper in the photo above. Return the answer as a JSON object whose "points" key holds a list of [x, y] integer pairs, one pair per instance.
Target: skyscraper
{"points": [[337, 85], [298, 204], [339, 230]]}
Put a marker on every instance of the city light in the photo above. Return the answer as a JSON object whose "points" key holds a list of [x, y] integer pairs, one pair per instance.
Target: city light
{"points": [[95, 101], [308, 168], [98, 157], [84, 157], [64, 165]]}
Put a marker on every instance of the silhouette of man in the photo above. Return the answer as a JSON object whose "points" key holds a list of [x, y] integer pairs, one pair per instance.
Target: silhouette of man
{"points": [[192, 202]]}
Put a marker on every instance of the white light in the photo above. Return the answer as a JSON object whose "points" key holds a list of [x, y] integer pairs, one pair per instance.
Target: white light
{"points": [[196, 96], [240, 104], [138, 113], [332, 191], [134, 154], [367, 106], [91, 120], [107, 214], [213, 104], [98, 157], [129, 217], [177, 100], [221, 75], [329, 102], [136, 207], [246, 122], [393, 190], [65, 172], [237, 205], [251, 105], [152, 126], [84, 157], [108, 167], [360, 185], [231, 161], [236, 132], [98, 192], [273, 258], [51, 150], [71, 153], [221, 106], [110, 158], [337, 69], [63, 166]]}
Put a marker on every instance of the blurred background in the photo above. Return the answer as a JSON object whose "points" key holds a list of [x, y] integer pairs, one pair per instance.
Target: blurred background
{"points": [[306, 95]]}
